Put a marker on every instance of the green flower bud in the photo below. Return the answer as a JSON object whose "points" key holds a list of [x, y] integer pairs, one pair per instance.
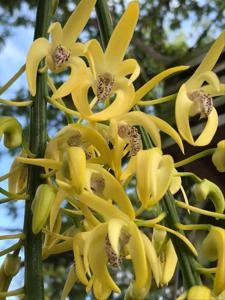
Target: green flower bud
{"points": [[11, 265], [207, 189], [12, 131], [218, 157], [41, 206]]}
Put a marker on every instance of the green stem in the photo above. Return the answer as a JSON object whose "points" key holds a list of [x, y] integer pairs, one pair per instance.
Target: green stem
{"points": [[194, 157], [186, 259], [12, 80], [37, 142]]}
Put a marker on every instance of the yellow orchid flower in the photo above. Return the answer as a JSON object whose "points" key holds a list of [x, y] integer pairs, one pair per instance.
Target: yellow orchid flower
{"points": [[41, 206], [62, 52], [153, 172], [17, 179], [107, 186], [218, 157], [11, 129], [78, 135], [194, 97], [166, 255], [107, 73], [107, 244], [152, 125], [214, 249]]}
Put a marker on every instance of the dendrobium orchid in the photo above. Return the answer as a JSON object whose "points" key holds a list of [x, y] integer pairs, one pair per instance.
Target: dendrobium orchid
{"points": [[107, 73], [62, 51], [196, 97]]}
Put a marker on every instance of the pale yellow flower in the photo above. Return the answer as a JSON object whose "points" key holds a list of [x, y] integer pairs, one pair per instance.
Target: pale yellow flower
{"points": [[62, 51]]}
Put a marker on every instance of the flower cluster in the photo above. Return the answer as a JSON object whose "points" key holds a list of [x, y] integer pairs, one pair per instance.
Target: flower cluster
{"points": [[94, 166]]}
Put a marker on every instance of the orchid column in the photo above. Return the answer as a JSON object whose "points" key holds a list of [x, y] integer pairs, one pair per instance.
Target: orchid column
{"points": [[37, 143]]}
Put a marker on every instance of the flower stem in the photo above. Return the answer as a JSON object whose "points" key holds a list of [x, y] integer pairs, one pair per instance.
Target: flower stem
{"points": [[12, 80], [194, 157], [37, 143]]}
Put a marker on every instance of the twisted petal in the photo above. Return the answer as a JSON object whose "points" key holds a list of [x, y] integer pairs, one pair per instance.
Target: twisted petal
{"points": [[182, 111], [39, 49], [122, 34], [115, 227], [127, 67], [77, 21]]}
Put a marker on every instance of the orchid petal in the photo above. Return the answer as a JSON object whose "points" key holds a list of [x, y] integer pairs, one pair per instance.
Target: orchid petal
{"points": [[55, 31], [165, 127], [115, 227], [79, 263], [157, 170], [210, 59], [95, 57], [137, 251], [39, 49], [141, 119], [78, 73], [214, 248], [148, 86], [152, 258], [123, 103], [209, 130], [98, 263], [113, 190], [182, 111], [70, 281], [122, 34], [210, 77], [106, 209], [75, 159], [127, 67], [60, 196], [77, 21]]}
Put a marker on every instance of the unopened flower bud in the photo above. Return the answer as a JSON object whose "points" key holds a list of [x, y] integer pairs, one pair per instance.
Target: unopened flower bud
{"points": [[207, 189], [11, 265], [41, 206], [218, 157], [12, 131], [199, 292]]}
